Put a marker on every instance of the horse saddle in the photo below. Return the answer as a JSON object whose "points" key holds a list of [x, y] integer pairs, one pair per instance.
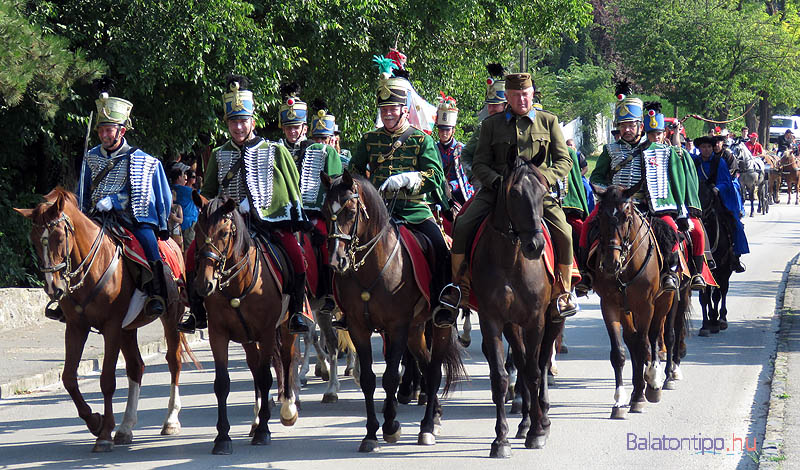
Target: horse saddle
{"points": [[420, 250]]}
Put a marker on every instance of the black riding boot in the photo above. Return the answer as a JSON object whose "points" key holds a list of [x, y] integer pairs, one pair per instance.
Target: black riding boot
{"points": [[698, 283], [156, 290], [197, 319], [583, 286], [736, 263], [669, 275], [296, 300]]}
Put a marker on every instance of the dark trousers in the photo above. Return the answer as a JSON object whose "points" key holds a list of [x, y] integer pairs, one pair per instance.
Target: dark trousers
{"points": [[441, 274]]}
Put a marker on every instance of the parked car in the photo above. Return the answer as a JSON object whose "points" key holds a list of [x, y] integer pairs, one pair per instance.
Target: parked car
{"points": [[780, 124]]}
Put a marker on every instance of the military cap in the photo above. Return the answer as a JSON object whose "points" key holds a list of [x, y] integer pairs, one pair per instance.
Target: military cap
{"points": [[238, 100], [518, 81]]}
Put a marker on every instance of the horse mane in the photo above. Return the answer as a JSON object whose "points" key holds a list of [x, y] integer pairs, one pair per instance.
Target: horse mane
{"points": [[242, 241], [519, 165], [50, 198]]}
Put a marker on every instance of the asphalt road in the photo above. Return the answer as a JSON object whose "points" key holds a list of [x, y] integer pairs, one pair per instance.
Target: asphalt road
{"points": [[721, 399]]}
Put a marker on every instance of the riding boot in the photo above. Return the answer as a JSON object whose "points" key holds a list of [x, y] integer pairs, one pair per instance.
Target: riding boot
{"points": [[698, 283], [669, 275], [296, 302], [446, 313], [566, 303], [156, 291], [197, 319], [736, 264], [583, 286]]}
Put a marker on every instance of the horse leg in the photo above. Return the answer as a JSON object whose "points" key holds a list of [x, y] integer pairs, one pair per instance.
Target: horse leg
{"points": [[552, 332], [443, 340], [511, 370], [361, 340], [723, 311], [322, 347], [493, 349], [218, 341], [172, 424], [108, 384], [515, 363], [639, 346], [534, 372], [466, 336], [134, 366], [304, 364], [258, 361], [74, 341], [405, 392], [289, 396], [396, 344], [705, 306], [331, 339]]}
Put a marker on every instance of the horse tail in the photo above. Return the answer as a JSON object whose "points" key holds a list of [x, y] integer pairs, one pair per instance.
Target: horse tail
{"points": [[454, 370], [186, 352], [345, 342]]}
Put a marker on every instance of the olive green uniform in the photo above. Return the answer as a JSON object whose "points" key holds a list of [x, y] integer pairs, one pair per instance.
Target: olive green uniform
{"points": [[537, 137]]}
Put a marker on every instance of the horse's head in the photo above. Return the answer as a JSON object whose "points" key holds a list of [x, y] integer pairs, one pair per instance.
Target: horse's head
{"points": [[521, 198], [221, 235], [349, 200], [614, 222], [53, 238]]}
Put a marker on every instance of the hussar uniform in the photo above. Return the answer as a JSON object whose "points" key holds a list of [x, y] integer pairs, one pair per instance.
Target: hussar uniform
{"points": [[457, 185]]}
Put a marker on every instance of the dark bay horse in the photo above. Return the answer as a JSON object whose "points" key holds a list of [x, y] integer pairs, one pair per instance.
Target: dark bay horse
{"points": [[713, 301], [244, 305], [513, 292], [627, 279], [376, 290], [85, 274]]}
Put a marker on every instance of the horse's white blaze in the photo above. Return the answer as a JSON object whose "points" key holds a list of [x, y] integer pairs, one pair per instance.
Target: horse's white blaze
{"points": [[131, 409], [174, 406], [288, 408], [335, 207], [619, 396]]}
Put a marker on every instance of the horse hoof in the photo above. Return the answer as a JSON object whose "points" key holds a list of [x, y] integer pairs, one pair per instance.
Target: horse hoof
{"points": [[618, 412], [637, 406], [500, 450], [222, 447], [171, 429], [403, 399], [261, 438], [670, 384], [714, 329], [535, 442], [303, 382], [123, 438], [392, 438], [369, 445], [723, 324], [437, 429], [290, 421], [662, 355], [348, 372], [652, 395], [426, 439], [330, 398], [326, 376], [522, 431], [704, 332], [103, 446], [516, 406], [464, 342], [97, 420]]}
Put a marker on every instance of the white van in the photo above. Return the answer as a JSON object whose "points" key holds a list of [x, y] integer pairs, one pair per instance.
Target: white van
{"points": [[780, 124]]}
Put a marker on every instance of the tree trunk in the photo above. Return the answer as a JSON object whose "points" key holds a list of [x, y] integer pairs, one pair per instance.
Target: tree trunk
{"points": [[751, 117], [764, 118]]}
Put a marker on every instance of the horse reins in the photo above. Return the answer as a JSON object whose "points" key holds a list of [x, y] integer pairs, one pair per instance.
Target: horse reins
{"points": [[626, 257]]}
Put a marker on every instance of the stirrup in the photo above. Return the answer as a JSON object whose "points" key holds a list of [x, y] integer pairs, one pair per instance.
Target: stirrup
{"points": [[698, 283], [188, 326], [448, 322], [54, 313], [669, 288], [340, 323], [567, 311], [443, 293], [148, 306], [583, 286]]}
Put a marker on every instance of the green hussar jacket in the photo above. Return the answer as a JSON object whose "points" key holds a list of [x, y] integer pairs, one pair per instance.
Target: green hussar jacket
{"points": [[316, 157], [575, 196], [268, 179], [692, 199], [418, 153]]}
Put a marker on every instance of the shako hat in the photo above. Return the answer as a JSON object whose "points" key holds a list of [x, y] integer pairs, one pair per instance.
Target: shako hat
{"points": [[238, 99], [293, 110], [111, 110]]}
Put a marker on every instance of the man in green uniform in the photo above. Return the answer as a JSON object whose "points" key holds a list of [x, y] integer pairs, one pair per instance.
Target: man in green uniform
{"points": [[292, 120], [536, 136], [495, 103], [403, 161]]}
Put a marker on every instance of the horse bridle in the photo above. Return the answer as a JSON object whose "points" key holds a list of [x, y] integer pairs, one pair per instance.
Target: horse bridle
{"points": [[220, 257], [510, 231], [625, 255], [351, 239]]}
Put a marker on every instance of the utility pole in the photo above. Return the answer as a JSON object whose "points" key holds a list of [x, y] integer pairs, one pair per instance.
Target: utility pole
{"points": [[523, 56]]}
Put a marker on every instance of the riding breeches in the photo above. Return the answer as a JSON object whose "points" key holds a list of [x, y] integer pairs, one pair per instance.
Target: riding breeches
{"points": [[293, 250], [440, 271], [146, 235], [698, 237], [560, 230]]}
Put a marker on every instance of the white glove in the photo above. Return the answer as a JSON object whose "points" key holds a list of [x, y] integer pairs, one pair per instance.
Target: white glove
{"points": [[410, 180], [244, 206], [105, 204]]}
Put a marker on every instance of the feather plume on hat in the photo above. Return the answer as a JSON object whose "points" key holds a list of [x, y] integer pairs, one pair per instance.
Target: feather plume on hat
{"points": [[653, 105], [103, 85], [289, 89], [495, 70], [622, 89], [237, 82]]}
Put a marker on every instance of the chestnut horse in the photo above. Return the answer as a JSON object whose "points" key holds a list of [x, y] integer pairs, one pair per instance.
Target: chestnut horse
{"points": [[513, 293], [628, 281], [244, 305], [790, 173], [375, 288], [97, 294]]}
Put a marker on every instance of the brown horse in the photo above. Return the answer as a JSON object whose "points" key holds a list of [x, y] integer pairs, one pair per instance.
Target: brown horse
{"points": [[790, 173], [376, 289], [244, 305], [773, 177], [510, 283], [97, 294], [627, 279]]}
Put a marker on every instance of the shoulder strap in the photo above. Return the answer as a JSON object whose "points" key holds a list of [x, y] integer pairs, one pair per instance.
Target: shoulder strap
{"points": [[108, 168], [234, 170], [636, 152]]}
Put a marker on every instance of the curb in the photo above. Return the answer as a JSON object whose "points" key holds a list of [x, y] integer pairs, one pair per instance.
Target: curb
{"points": [[772, 456], [87, 366]]}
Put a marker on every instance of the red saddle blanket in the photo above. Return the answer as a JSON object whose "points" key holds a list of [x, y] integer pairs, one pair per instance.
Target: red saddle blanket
{"points": [[170, 253], [422, 270]]}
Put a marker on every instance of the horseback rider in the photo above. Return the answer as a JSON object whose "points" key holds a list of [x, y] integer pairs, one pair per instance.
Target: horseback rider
{"points": [[786, 141], [495, 103], [633, 158], [721, 150], [712, 170], [533, 135], [130, 183], [319, 156], [292, 120], [262, 178], [754, 146], [457, 183], [403, 163]]}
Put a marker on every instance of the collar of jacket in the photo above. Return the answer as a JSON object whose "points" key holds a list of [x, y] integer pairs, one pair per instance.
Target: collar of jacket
{"points": [[123, 148], [510, 114]]}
